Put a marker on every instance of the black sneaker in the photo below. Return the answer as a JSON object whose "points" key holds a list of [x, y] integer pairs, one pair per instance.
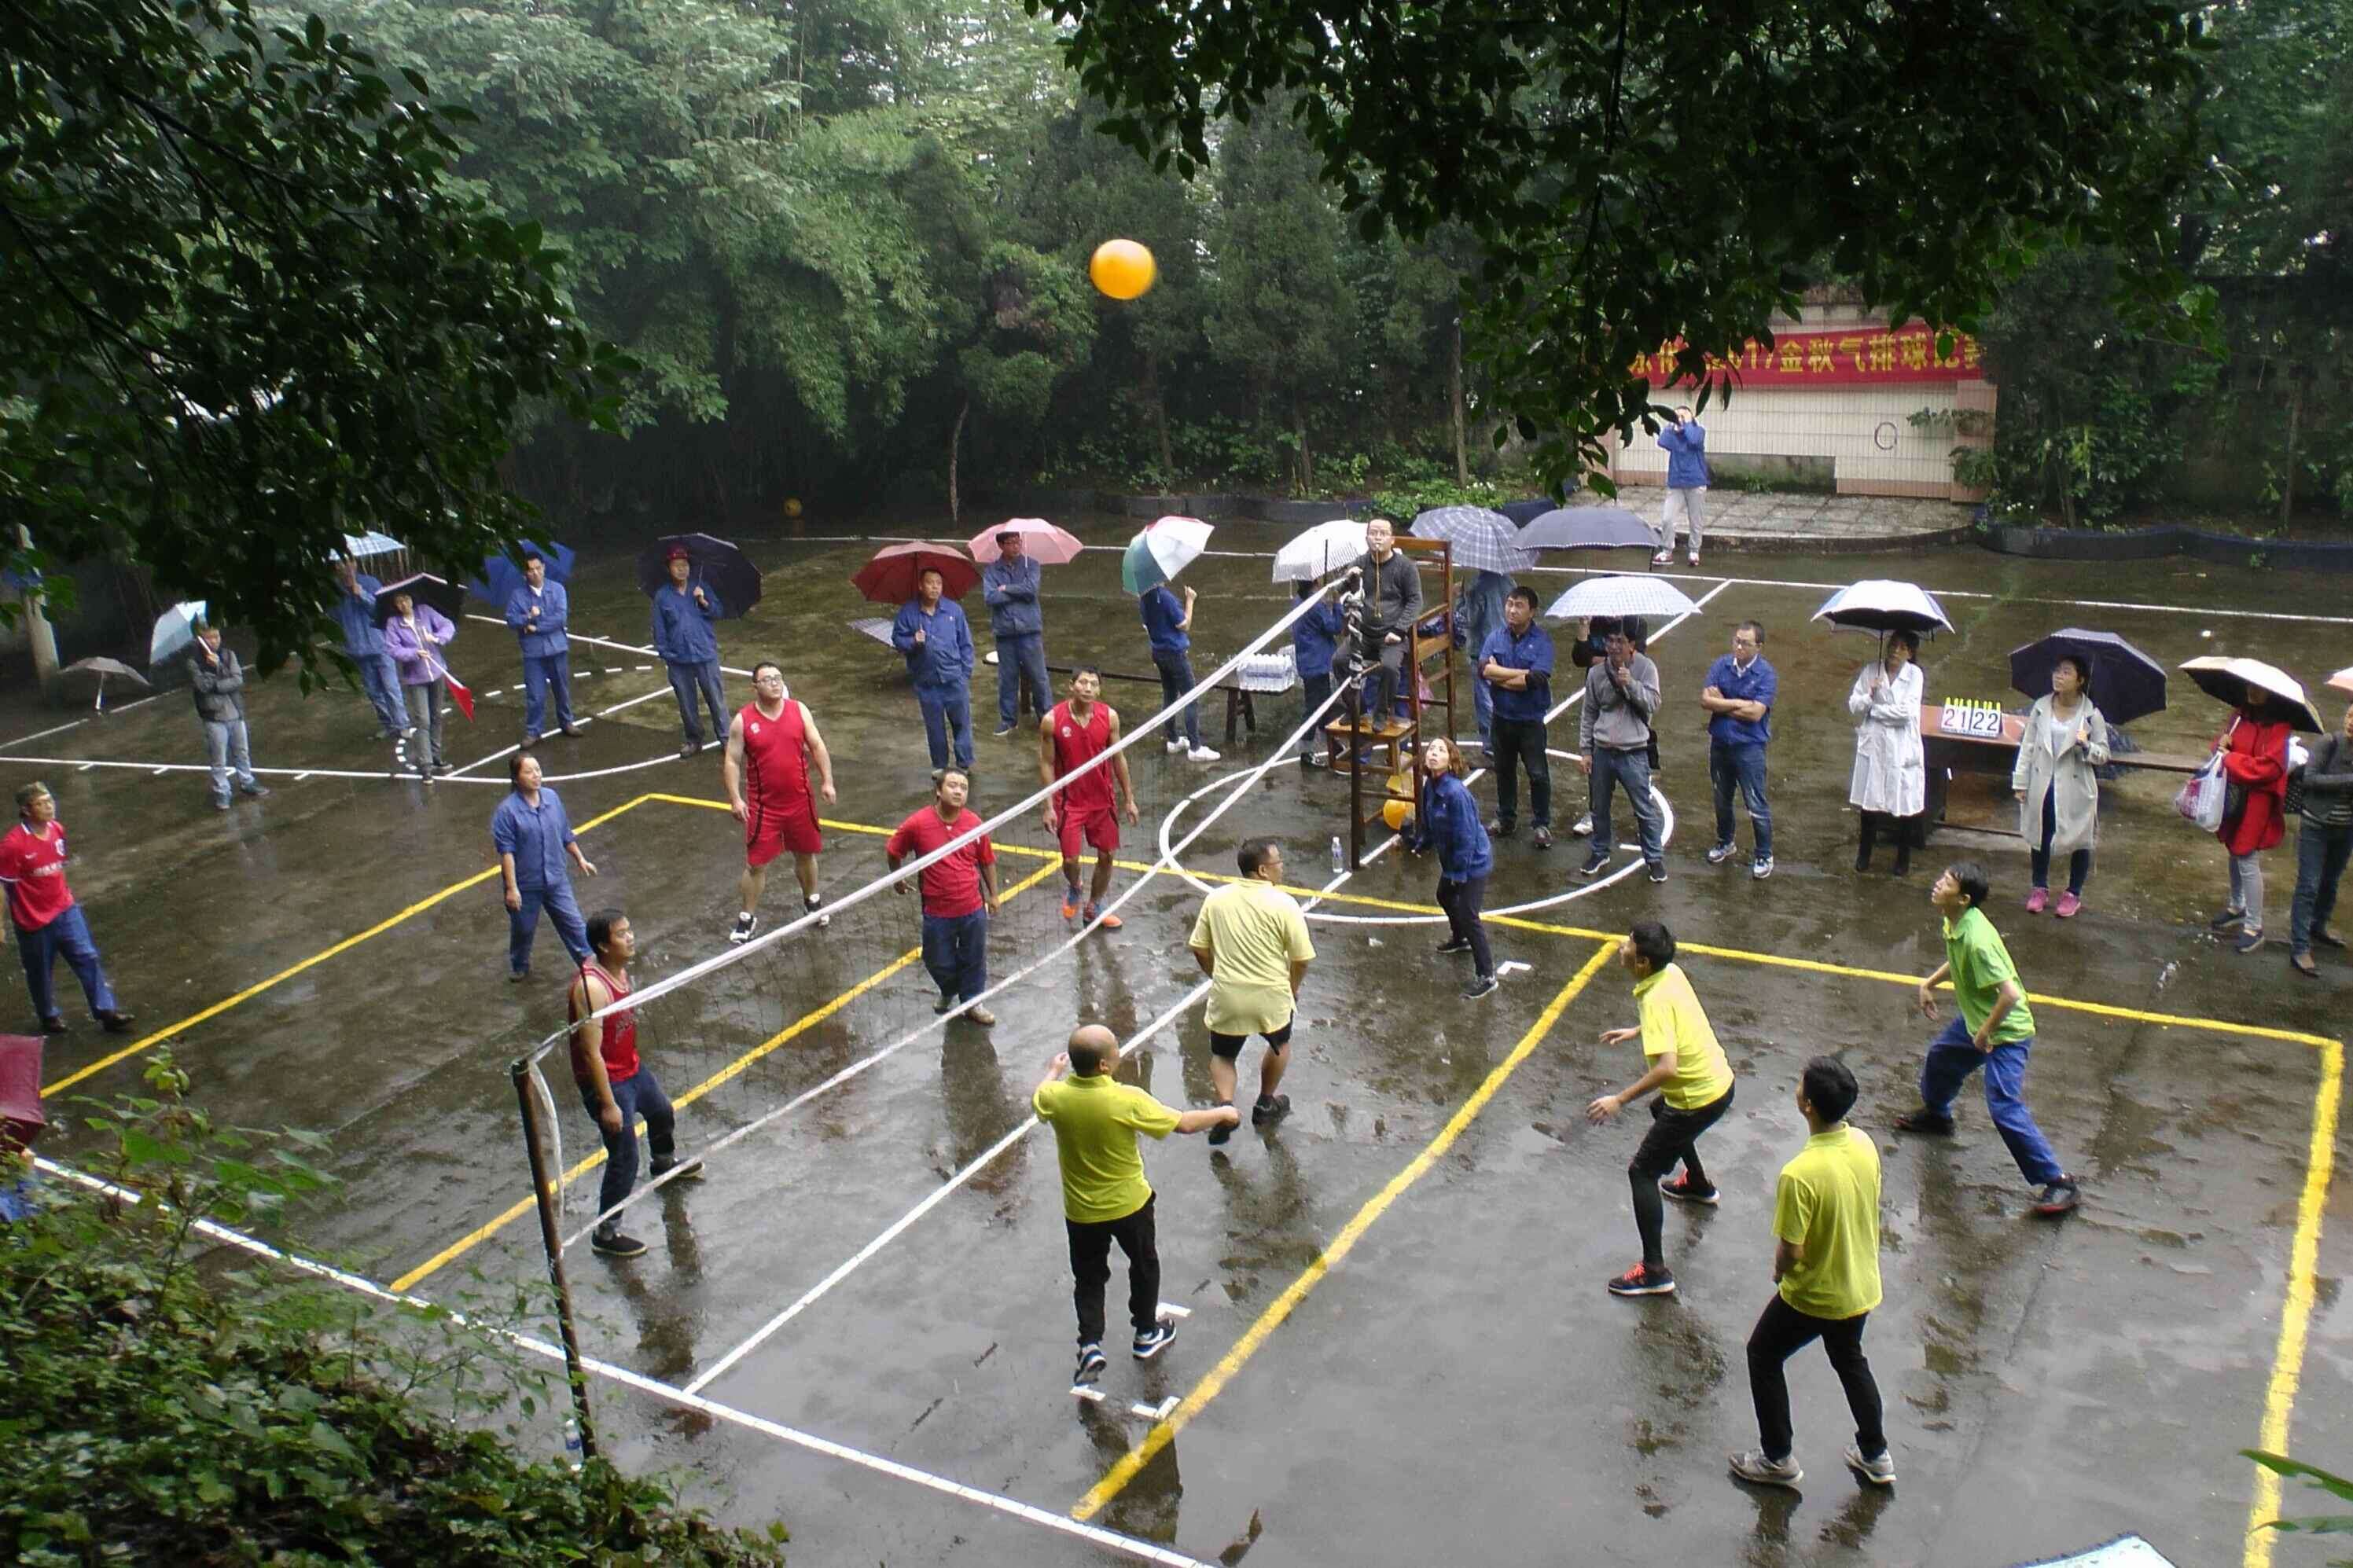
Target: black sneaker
{"points": [[613, 1244], [1454, 944], [1594, 867], [55, 1024], [1926, 1122], [2228, 919], [1269, 1110], [1155, 1339], [253, 791], [1718, 854], [1499, 828], [814, 907], [2058, 1197], [1543, 838], [688, 749], [1682, 1190], [688, 1170], [1219, 1133], [1004, 729], [517, 977], [1481, 985], [745, 924], [112, 1021], [1658, 873], [1090, 1366]]}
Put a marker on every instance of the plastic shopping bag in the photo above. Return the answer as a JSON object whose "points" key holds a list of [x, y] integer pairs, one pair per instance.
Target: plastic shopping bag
{"points": [[2200, 800]]}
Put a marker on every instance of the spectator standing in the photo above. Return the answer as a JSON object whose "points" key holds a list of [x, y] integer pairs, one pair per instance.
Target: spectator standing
{"points": [[1890, 785], [218, 681], [2065, 741], [1168, 626], [538, 611], [531, 835], [415, 635], [1738, 697], [2324, 840], [1009, 584], [1478, 613], [685, 636], [1621, 699], [932, 632], [48, 922], [1516, 664], [1448, 822], [2255, 759], [1684, 440], [1314, 640], [959, 892], [1250, 940], [364, 645]]}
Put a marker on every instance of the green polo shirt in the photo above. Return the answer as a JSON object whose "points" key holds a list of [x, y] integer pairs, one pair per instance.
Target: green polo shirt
{"points": [[1095, 1119], [1980, 964]]}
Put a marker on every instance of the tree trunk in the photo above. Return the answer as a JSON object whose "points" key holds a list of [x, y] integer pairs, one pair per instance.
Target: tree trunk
{"points": [[1454, 388], [1160, 416], [2287, 479], [955, 435], [1306, 463]]}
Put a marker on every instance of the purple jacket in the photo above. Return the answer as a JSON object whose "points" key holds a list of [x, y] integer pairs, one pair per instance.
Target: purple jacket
{"points": [[401, 642]]}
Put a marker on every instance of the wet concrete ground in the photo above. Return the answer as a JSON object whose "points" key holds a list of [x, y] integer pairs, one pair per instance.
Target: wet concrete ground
{"points": [[1459, 1387]]}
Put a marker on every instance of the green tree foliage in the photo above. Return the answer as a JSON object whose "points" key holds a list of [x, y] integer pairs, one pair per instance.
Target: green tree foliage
{"points": [[244, 308]]}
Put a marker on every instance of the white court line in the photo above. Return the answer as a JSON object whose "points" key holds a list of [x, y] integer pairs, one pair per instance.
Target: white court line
{"points": [[608, 642], [1062, 1523], [510, 750]]}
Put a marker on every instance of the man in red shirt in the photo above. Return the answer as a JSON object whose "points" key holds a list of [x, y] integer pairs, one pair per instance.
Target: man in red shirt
{"points": [[770, 746], [1075, 733], [959, 892], [48, 921]]}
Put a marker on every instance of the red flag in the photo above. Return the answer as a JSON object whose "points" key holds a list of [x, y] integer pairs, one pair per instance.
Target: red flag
{"points": [[459, 693]]}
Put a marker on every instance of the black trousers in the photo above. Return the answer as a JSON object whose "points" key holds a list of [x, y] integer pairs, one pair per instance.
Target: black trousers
{"points": [[1672, 1139], [1461, 900], [1318, 688], [1091, 1266], [1782, 1332], [1520, 741]]}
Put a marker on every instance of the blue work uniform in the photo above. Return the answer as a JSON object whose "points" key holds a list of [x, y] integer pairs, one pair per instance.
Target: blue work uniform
{"points": [[363, 642], [537, 839], [689, 646], [538, 616], [1018, 624], [1735, 748], [941, 666]]}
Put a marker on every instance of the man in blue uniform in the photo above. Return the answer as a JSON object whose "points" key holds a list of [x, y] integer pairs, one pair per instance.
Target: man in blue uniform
{"points": [[363, 642], [932, 632], [683, 635], [1010, 585], [537, 611]]}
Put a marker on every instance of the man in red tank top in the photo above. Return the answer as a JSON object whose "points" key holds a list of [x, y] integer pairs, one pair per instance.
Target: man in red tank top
{"points": [[1076, 733], [617, 1088], [769, 748]]}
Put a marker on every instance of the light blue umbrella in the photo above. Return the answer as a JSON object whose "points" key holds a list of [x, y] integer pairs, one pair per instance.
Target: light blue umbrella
{"points": [[175, 628], [1162, 550]]}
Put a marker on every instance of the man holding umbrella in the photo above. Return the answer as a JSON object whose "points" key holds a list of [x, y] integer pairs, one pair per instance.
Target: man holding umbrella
{"points": [[364, 644], [218, 681], [1010, 584], [537, 611], [932, 632], [684, 612]]}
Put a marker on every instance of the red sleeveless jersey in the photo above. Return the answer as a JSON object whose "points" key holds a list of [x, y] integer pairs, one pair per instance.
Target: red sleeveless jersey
{"points": [[1076, 745], [618, 1043], [775, 768]]}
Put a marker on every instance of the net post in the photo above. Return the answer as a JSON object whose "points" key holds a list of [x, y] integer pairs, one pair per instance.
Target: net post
{"points": [[540, 1191]]}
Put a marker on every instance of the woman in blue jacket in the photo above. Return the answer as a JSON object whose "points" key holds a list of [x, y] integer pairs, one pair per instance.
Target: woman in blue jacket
{"points": [[1314, 638], [1449, 823]]}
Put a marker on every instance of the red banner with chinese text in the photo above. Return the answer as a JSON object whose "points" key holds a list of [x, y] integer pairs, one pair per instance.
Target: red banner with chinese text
{"points": [[1844, 356]]}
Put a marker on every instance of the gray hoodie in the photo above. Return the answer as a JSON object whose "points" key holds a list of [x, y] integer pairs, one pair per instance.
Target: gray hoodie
{"points": [[219, 688], [1618, 719]]}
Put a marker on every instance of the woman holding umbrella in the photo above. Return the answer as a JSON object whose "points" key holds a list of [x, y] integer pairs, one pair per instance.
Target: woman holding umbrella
{"points": [[1890, 785], [2253, 750], [415, 634], [2057, 787]]}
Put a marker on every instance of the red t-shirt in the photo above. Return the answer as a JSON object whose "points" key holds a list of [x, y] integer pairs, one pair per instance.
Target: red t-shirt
{"points": [[951, 886], [1076, 745], [34, 867]]}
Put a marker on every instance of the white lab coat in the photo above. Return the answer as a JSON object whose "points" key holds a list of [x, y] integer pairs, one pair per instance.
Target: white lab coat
{"points": [[1889, 773]]}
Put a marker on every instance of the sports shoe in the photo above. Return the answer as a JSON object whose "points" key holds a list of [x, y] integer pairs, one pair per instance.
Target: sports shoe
{"points": [[1659, 873], [981, 1016], [517, 977], [688, 1170], [571, 730], [613, 1244], [1155, 1339], [1110, 923], [2228, 919], [745, 924], [817, 907], [1753, 1467], [1926, 1122], [530, 737], [946, 1003], [688, 749], [55, 1024], [1202, 754], [1594, 867], [2069, 905], [1481, 985], [1718, 854], [1879, 1471], [2250, 939], [220, 802], [1454, 944], [112, 1020], [1004, 729], [1499, 828], [1270, 1109], [441, 769], [2038, 901], [1692, 558], [2060, 1197], [1663, 558], [1173, 747], [1761, 867], [1583, 827], [1543, 839], [1090, 1366], [1070, 905], [1643, 1281], [1683, 1192], [1219, 1133], [253, 791]]}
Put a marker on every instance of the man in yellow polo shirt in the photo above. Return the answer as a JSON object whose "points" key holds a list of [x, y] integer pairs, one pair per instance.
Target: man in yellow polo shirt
{"points": [[1105, 1198], [1694, 1084], [1826, 1260], [1250, 940]]}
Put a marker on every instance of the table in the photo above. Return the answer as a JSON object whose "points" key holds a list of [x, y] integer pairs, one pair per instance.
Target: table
{"points": [[1951, 756]]}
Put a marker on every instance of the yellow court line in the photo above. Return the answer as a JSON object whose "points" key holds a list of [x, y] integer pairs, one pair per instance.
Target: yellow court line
{"points": [[799, 1026], [2295, 1318], [349, 942], [1163, 1433]]}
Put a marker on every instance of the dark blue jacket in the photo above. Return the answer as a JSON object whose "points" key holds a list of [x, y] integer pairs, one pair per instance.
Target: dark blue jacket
{"points": [[682, 629], [535, 838], [943, 660], [1163, 610], [356, 615], [554, 607], [1531, 651], [1011, 589], [1315, 638], [1686, 450], [1449, 823]]}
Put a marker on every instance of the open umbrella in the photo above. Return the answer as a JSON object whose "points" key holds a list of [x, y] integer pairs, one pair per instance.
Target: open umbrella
{"points": [[102, 667], [2125, 682], [890, 577], [1878, 605], [1163, 549], [175, 628], [1588, 527], [875, 627], [1481, 541], [1322, 550], [2342, 680], [2227, 681], [1653, 598], [1040, 541], [501, 576], [424, 588], [724, 568]]}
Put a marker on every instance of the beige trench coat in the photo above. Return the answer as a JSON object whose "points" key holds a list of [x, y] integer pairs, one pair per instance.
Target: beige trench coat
{"points": [[2076, 807]]}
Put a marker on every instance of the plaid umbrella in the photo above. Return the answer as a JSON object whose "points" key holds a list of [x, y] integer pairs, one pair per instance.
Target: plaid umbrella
{"points": [[1652, 598], [1588, 527], [1482, 540]]}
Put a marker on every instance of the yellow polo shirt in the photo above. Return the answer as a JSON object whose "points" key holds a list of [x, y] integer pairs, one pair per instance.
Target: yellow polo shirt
{"points": [[1673, 1020], [1254, 932], [1095, 1119], [1827, 1202]]}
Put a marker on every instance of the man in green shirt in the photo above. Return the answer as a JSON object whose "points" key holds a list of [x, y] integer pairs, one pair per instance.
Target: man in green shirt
{"points": [[1695, 1083], [1994, 1030], [1826, 1262], [1105, 1198]]}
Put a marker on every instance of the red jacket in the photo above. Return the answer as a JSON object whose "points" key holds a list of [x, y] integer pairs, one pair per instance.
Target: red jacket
{"points": [[2255, 755]]}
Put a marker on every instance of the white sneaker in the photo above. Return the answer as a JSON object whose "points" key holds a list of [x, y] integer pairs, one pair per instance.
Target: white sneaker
{"points": [[1583, 827], [1202, 754], [1694, 557], [1174, 747]]}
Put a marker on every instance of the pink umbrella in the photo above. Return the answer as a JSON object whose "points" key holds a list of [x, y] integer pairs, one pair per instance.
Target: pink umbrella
{"points": [[1046, 544]]}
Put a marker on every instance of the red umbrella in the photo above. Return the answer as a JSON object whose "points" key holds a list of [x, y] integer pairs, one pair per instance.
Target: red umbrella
{"points": [[1045, 543], [890, 577]]}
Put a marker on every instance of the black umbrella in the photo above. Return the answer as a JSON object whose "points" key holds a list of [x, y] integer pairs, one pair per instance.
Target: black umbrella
{"points": [[2127, 683], [1588, 527], [714, 562], [424, 588]]}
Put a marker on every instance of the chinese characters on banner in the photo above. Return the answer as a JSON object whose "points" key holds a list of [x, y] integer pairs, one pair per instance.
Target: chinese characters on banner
{"points": [[1833, 358]]}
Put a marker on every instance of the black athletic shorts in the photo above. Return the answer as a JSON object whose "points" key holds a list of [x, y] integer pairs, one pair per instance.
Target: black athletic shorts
{"points": [[1230, 1046]]}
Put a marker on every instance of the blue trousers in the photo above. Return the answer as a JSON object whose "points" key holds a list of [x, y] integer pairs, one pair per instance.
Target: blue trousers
{"points": [[1019, 659], [2320, 856], [1631, 770], [637, 1095], [380, 678], [1741, 765], [522, 924], [688, 681], [945, 712], [226, 750], [1482, 709], [538, 674], [68, 934], [1951, 1060], [1176, 679], [956, 953]]}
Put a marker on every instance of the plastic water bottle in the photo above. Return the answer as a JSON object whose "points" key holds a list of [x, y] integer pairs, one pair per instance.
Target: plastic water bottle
{"points": [[1339, 857], [572, 1445], [2164, 976]]}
